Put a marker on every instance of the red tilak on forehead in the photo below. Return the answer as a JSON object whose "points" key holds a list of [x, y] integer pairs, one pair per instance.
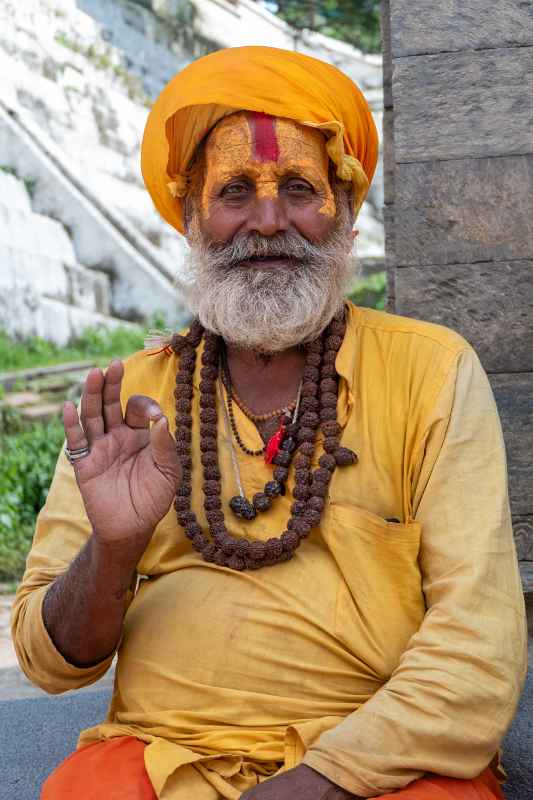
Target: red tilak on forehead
{"points": [[265, 142]]}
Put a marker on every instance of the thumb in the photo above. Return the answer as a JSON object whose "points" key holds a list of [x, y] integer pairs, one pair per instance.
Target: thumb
{"points": [[164, 448]]}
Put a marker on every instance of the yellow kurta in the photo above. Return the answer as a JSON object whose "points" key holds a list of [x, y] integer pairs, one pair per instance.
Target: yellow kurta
{"points": [[381, 651]]}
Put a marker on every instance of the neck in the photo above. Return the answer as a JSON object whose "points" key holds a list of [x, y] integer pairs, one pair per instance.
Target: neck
{"points": [[265, 382]]}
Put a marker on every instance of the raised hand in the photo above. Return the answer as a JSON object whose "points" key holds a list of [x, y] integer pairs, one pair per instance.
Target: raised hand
{"points": [[129, 478]]}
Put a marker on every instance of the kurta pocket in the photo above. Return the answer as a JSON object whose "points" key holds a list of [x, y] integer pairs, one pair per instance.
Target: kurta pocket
{"points": [[380, 603]]}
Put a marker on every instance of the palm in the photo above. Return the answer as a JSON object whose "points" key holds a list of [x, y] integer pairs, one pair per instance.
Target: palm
{"points": [[129, 478]]}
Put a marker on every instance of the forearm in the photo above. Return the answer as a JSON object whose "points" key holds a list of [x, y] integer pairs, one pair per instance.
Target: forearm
{"points": [[84, 608]]}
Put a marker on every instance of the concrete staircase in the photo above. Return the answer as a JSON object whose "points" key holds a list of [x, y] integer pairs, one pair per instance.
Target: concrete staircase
{"points": [[44, 291]]}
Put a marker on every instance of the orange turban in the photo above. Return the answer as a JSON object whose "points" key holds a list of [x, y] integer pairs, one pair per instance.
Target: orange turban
{"points": [[280, 83]]}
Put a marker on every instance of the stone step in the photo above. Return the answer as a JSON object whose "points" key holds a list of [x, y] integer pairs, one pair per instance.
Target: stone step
{"points": [[20, 399], [14, 192], [42, 412], [34, 234]]}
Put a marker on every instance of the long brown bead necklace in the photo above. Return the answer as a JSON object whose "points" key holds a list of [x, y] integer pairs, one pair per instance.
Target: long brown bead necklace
{"points": [[318, 403]]}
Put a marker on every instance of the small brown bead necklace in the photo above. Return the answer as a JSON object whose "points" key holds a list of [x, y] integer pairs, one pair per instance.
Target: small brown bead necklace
{"points": [[319, 402], [258, 418]]}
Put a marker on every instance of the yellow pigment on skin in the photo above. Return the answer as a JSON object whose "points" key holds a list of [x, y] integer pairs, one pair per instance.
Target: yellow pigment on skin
{"points": [[302, 153]]}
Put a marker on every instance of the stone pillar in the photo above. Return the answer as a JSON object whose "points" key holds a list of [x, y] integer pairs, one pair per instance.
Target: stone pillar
{"points": [[458, 91]]}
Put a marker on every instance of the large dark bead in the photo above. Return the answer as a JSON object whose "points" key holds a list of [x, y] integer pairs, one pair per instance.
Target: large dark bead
{"points": [[306, 435], [272, 488], [211, 487], [298, 508], [236, 562], [208, 401], [209, 459], [257, 550], [242, 547], [328, 385], [288, 444], [209, 372], [285, 556], [311, 516], [184, 489], [207, 387], [331, 444], [220, 558], [337, 327], [209, 357], [229, 543], [309, 389], [289, 540], [327, 462], [261, 501], [301, 527], [319, 489], [300, 492], [328, 414], [185, 518], [313, 359], [212, 503], [209, 552], [183, 406], [309, 404], [311, 374], [208, 415], [209, 428], [200, 542], [242, 507], [306, 449], [328, 371], [252, 564], [182, 434], [301, 475], [328, 400], [315, 503], [215, 517], [344, 457], [274, 547], [321, 474], [329, 357], [309, 419], [192, 530], [195, 333], [183, 391], [282, 459], [331, 429], [281, 474], [301, 461], [212, 473], [182, 503], [185, 461], [333, 343], [315, 346], [208, 444]]}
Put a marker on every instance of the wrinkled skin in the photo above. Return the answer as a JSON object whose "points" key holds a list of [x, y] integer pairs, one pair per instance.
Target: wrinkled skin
{"points": [[299, 783]]}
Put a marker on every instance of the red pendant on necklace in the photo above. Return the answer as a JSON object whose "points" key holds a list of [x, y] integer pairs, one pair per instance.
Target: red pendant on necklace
{"points": [[274, 443]]}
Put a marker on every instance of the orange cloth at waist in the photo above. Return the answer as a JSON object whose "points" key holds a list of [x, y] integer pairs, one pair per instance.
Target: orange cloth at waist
{"points": [[115, 768]]}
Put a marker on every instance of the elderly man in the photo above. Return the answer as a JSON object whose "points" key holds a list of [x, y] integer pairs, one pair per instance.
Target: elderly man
{"points": [[290, 522]]}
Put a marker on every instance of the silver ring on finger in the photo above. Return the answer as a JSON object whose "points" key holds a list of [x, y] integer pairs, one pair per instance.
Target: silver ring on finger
{"points": [[75, 455]]}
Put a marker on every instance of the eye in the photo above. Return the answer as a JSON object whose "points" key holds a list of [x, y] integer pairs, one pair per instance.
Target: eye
{"points": [[235, 188], [298, 186]]}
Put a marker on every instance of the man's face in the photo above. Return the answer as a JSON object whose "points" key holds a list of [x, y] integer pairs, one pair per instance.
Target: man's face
{"points": [[266, 176]]}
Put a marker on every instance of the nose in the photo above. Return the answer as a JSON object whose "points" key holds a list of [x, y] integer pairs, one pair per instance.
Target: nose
{"points": [[268, 216]]}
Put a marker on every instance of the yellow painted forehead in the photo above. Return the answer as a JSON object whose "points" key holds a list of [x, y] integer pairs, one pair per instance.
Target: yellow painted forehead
{"points": [[258, 138]]}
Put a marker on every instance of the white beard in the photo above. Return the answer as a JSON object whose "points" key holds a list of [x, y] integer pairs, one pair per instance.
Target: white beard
{"points": [[270, 310]]}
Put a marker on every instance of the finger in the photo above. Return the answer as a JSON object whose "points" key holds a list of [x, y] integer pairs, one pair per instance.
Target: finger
{"points": [[74, 433], [112, 409], [91, 405], [164, 448], [141, 410]]}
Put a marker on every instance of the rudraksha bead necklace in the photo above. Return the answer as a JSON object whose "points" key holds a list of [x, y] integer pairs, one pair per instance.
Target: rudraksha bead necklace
{"points": [[259, 418], [319, 402], [262, 501]]}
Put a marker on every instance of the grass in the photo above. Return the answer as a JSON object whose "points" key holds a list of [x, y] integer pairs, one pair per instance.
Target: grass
{"points": [[96, 344]]}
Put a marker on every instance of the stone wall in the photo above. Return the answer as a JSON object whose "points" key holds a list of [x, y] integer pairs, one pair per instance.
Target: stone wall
{"points": [[458, 83]]}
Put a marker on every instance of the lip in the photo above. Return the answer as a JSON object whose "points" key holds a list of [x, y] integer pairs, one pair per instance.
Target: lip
{"points": [[268, 263]]}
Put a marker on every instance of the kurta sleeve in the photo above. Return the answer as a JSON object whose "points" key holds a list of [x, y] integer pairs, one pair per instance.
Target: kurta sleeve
{"points": [[62, 530], [449, 702]]}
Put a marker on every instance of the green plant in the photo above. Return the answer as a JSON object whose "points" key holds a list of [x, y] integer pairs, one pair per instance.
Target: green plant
{"points": [[24, 483], [371, 291]]}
